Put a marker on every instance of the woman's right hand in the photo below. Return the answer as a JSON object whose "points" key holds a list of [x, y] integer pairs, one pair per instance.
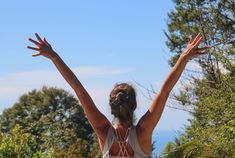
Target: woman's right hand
{"points": [[43, 47]]}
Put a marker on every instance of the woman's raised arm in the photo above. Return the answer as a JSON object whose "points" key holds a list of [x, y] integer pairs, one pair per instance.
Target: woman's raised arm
{"points": [[97, 120], [152, 116]]}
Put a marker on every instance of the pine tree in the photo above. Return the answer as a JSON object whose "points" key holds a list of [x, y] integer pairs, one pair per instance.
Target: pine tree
{"points": [[211, 132]]}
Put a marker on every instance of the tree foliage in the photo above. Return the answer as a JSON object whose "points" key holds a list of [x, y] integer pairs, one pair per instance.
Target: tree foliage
{"points": [[20, 144], [55, 119], [211, 132]]}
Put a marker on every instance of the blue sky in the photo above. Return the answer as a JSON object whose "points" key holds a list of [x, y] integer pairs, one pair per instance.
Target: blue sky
{"points": [[103, 42]]}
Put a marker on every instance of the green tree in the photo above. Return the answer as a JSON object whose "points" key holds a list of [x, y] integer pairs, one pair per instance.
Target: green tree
{"points": [[19, 144], [55, 118], [211, 132]]}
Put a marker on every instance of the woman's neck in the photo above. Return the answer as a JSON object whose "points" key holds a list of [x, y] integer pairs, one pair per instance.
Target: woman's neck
{"points": [[123, 124]]}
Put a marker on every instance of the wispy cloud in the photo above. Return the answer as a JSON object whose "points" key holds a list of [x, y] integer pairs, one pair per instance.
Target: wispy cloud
{"points": [[15, 84]]}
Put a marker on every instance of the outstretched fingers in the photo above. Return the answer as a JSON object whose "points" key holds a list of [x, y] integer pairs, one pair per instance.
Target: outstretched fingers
{"points": [[42, 47], [34, 55], [192, 48], [33, 48], [198, 41], [37, 49], [39, 38], [35, 42], [199, 36], [202, 50], [191, 39], [194, 42], [38, 43], [47, 43]]}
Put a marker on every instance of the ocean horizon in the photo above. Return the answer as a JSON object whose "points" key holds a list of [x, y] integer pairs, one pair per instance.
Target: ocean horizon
{"points": [[161, 139]]}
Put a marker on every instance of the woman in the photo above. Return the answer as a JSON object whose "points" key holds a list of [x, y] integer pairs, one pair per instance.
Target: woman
{"points": [[122, 139]]}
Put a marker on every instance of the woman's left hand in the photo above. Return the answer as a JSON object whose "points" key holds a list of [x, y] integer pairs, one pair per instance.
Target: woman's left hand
{"points": [[192, 50]]}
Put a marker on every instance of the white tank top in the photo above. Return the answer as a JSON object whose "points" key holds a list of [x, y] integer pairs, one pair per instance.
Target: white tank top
{"points": [[131, 139]]}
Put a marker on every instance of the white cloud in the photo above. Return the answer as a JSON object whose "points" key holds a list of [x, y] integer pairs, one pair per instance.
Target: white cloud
{"points": [[15, 84]]}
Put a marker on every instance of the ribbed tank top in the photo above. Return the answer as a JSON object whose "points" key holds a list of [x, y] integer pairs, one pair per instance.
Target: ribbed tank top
{"points": [[131, 139]]}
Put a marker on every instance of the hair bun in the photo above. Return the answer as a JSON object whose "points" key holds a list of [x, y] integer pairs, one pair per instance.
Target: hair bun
{"points": [[123, 101], [122, 96]]}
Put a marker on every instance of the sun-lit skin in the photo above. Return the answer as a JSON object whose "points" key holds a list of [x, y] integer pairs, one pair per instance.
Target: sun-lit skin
{"points": [[98, 121]]}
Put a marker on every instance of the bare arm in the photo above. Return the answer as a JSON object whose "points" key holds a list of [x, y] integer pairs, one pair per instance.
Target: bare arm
{"points": [[152, 116], [98, 121]]}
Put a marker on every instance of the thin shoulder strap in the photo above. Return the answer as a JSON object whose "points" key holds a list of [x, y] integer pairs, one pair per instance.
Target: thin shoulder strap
{"points": [[108, 141], [133, 141]]}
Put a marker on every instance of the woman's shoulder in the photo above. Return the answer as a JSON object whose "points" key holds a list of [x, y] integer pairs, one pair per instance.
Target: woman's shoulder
{"points": [[102, 137], [144, 139]]}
